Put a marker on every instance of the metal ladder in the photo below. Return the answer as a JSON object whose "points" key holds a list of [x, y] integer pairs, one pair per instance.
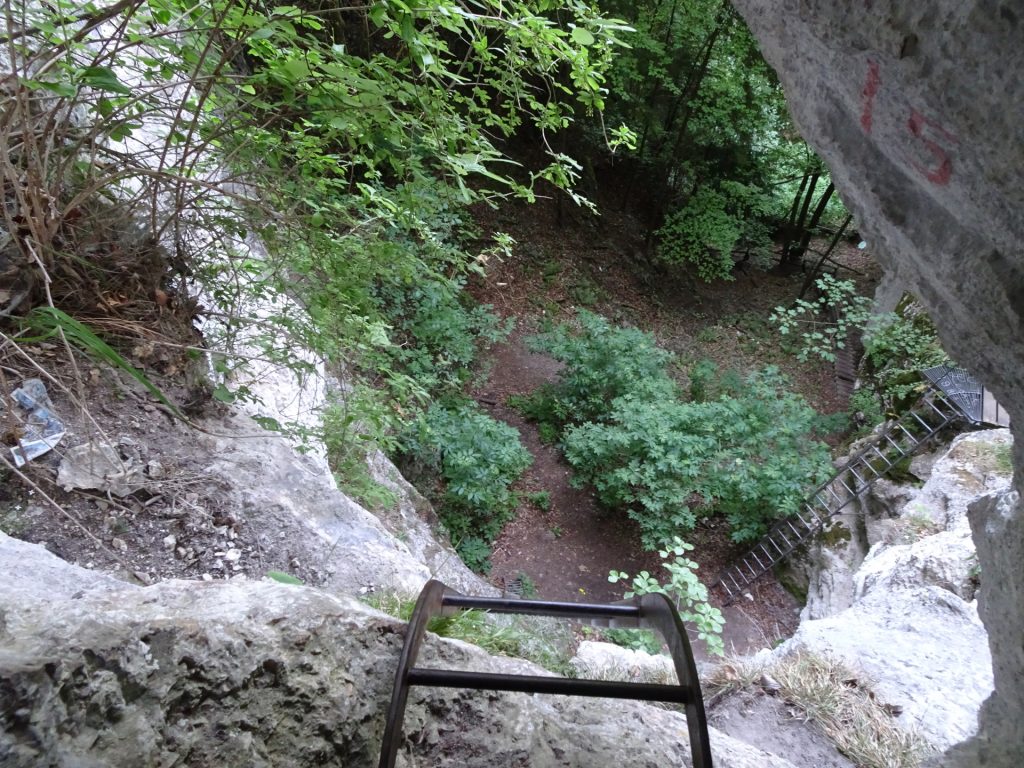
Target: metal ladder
{"points": [[652, 611], [897, 441]]}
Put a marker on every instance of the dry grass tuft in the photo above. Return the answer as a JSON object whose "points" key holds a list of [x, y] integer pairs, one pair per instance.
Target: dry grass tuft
{"points": [[840, 701]]}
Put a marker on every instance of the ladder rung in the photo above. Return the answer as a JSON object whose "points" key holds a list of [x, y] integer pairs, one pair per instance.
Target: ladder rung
{"points": [[814, 514], [922, 422], [444, 678], [852, 470], [942, 414], [769, 555], [895, 445], [771, 541], [783, 536], [910, 435], [541, 607], [758, 560]]}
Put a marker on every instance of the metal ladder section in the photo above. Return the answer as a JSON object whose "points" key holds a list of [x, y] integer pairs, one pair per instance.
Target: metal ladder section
{"points": [[648, 612], [899, 440]]}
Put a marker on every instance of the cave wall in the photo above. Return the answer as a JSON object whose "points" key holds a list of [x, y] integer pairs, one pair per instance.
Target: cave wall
{"points": [[917, 109]]}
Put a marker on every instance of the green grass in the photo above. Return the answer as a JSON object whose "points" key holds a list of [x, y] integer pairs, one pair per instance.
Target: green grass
{"points": [[542, 641]]}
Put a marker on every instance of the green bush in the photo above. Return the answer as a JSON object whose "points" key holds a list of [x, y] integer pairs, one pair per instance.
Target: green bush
{"points": [[897, 346], [747, 456], [714, 223], [684, 589], [437, 334], [635, 639], [477, 459], [602, 362], [353, 427]]}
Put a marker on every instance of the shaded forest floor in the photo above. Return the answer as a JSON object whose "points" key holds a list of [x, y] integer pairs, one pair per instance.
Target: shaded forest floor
{"points": [[566, 550]]}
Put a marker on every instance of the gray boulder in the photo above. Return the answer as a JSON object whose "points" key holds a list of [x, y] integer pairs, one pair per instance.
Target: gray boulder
{"points": [[345, 547], [923, 649]]}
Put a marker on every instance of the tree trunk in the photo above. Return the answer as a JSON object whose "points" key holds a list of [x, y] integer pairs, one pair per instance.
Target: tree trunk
{"points": [[813, 274], [789, 257]]}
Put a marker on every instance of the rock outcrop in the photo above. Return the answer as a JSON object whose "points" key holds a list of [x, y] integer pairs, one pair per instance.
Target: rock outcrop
{"points": [[915, 108], [339, 544], [94, 672], [903, 611]]}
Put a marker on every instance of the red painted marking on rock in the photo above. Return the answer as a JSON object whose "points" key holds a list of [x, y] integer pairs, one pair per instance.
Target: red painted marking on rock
{"points": [[941, 171], [871, 86]]}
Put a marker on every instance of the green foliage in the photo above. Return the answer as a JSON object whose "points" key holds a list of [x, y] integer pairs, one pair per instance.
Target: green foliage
{"points": [[684, 589], [635, 639], [711, 225], [602, 362], [284, 578], [866, 409], [820, 334], [435, 336], [747, 456], [517, 636], [540, 499], [715, 146], [307, 165], [478, 459], [897, 346], [353, 427]]}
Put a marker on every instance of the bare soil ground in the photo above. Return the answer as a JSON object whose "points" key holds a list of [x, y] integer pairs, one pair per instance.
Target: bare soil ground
{"points": [[178, 522], [567, 551]]}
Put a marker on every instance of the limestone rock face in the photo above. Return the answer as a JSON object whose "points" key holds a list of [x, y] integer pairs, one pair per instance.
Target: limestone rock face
{"points": [[345, 547], [605, 661], [904, 613], [944, 560], [245, 673], [924, 649], [915, 108]]}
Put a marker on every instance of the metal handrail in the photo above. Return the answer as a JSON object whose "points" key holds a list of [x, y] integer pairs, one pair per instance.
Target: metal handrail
{"points": [[653, 611]]}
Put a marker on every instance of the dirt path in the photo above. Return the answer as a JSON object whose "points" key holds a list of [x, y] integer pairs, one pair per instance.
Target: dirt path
{"points": [[567, 550]]}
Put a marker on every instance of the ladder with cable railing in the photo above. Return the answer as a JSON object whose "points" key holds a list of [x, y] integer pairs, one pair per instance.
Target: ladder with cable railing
{"points": [[897, 441]]}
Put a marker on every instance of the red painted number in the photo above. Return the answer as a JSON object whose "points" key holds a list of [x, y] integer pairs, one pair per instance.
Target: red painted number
{"points": [[927, 131]]}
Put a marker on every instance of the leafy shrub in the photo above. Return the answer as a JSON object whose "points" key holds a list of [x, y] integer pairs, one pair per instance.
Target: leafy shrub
{"points": [[540, 499], [747, 456], [712, 224], [822, 325], [684, 589], [602, 362], [897, 346], [436, 334], [354, 426], [477, 459]]}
